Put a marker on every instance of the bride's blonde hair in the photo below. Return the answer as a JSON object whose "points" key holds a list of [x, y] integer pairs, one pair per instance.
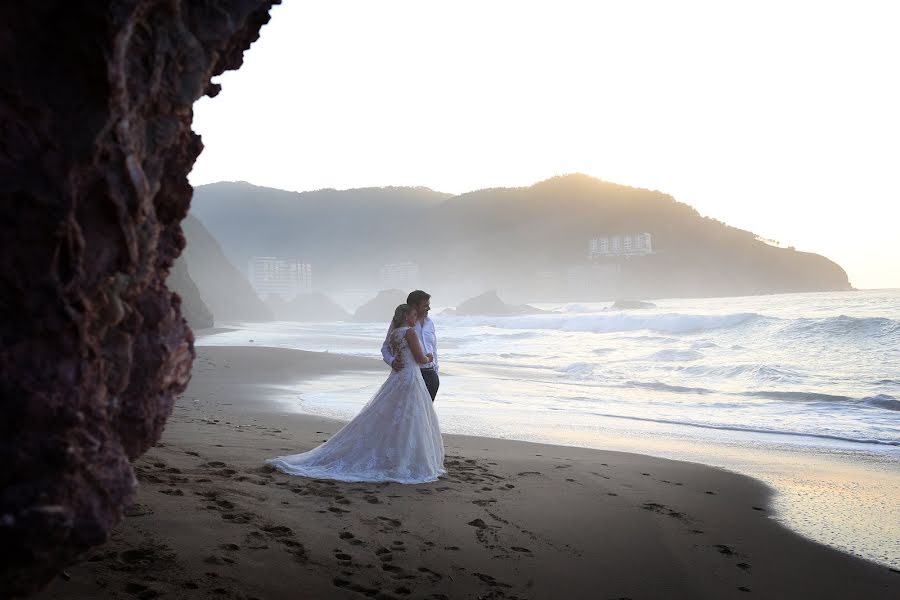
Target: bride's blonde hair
{"points": [[400, 315]]}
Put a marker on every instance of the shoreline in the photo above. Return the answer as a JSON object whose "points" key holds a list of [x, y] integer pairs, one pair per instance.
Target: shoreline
{"points": [[510, 520]]}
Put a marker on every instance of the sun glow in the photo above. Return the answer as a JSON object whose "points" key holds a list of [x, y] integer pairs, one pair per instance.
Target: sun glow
{"points": [[776, 117]]}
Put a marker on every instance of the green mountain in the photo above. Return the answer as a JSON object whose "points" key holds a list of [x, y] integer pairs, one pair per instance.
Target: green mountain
{"points": [[528, 243]]}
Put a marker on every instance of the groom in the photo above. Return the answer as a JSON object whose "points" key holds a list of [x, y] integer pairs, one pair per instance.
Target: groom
{"points": [[425, 328]]}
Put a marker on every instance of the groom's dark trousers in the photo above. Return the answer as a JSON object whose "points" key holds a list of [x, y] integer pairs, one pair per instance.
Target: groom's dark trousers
{"points": [[432, 381]]}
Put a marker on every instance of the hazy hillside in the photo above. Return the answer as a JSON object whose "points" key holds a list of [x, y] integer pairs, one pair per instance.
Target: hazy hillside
{"points": [[222, 287], [345, 235], [529, 243], [193, 307]]}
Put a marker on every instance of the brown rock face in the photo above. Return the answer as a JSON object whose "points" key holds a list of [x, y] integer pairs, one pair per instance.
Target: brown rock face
{"points": [[95, 147]]}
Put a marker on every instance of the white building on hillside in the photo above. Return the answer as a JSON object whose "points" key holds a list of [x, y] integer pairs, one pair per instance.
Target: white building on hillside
{"points": [[399, 275], [279, 276], [632, 244]]}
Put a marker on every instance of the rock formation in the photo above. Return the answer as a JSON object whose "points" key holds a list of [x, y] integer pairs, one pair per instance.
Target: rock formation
{"points": [[224, 289], [314, 307], [95, 148], [630, 305], [489, 304], [193, 308], [380, 308]]}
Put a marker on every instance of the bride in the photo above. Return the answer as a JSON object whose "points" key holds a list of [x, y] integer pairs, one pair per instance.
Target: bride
{"points": [[395, 437]]}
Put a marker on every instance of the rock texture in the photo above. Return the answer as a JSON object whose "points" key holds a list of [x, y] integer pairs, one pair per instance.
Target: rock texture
{"points": [[95, 147]]}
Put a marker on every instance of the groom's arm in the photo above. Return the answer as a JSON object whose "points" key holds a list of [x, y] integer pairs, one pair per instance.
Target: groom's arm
{"points": [[386, 349], [434, 346]]}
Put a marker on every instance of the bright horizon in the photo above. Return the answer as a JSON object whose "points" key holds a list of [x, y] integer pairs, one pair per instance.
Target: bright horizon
{"points": [[775, 117]]}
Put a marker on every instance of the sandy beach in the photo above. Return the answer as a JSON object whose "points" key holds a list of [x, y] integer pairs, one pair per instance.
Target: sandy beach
{"points": [[510, 519]]}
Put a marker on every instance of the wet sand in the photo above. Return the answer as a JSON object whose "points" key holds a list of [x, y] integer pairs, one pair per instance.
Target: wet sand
{"points": [[510, 519]]}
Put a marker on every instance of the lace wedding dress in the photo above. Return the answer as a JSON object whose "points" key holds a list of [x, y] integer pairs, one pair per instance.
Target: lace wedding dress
{"points": [[395, 437]]}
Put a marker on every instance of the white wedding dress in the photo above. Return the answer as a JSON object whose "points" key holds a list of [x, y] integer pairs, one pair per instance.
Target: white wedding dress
{"points": [[395, 437]]}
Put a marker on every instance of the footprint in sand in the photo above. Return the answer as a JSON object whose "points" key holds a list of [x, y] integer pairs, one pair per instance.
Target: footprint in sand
{"points": [[350, 539], [141, 591], [432, 575], [491, 581], [723, 549], [237, 519], [395, 571], [138, 510], [278, 530], [361, 589], [389, 521], [520, 549]]}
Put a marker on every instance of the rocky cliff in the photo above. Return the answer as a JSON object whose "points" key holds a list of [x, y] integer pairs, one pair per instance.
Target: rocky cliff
{"points": [[95, 148]]}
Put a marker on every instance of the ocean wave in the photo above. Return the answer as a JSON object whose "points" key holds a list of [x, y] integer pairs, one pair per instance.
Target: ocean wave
{"points": [[750, 371], [665, 387], [578, 370], [802, 396], [516, 336], [703, 345], [675, 355], [844, 326], [883, 401], [726, 427], [672, 323]]}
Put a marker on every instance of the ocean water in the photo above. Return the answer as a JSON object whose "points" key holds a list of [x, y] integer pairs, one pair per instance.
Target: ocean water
{"points": [[799, 390]]}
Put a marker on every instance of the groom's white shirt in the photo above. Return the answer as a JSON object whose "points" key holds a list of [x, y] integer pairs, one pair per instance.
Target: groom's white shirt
{"points": [[427, 336]]}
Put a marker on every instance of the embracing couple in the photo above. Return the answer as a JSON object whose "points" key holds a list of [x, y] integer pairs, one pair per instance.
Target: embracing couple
{"points": [[396, 436]]}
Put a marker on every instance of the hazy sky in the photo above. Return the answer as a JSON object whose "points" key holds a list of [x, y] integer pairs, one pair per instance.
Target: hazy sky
{"points": [[780, 117]]}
